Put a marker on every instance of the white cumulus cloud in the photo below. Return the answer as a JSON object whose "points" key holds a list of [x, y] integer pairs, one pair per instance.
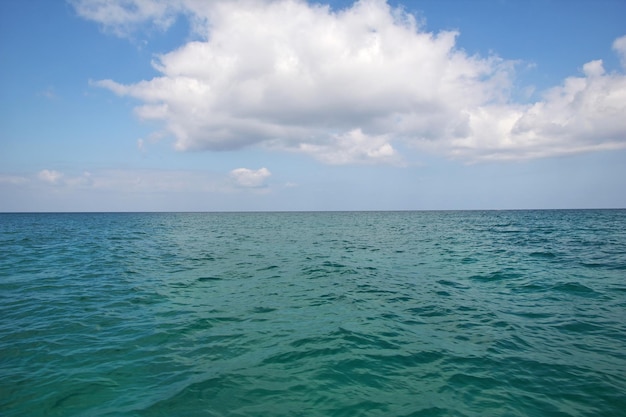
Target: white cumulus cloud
{"points": [[345, 86], [583, 114], [249, 178]]}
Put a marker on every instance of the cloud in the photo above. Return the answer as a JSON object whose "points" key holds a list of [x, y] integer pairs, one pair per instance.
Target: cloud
{"points": [[583, 114], [49, 176], [122, 17], [13, 179], [347, 86], [49, 93], [302, 77], [619, 46], [248, 178], [53, 177], [129, 189], [156, 181], [352, 147], [142, 181]]}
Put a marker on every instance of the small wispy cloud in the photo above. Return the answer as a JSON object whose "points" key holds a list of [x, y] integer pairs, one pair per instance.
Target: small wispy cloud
{"points": [[49, 176], [13, 179], [122, 17], [49, 93], [146, 181], [619, 46]]}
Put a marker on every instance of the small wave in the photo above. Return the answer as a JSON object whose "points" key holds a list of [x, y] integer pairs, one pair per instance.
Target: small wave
{"points": [[202, 258], [496, 276], [577, 326], [593, 264], [543, 255], [532, 314], [476, 382], [263, 310], [529, 287], [407, 360], [289, 359], [574, 288], [362, 340], [453, 284], [267, 268], [430, 311], [205, 279], [469, 260]]}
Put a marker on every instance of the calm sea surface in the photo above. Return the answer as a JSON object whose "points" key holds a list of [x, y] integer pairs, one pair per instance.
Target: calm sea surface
{"points": [[496, 313]]}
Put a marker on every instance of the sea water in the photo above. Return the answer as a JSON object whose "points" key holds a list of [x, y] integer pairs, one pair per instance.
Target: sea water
{"points": [[494, 313]]}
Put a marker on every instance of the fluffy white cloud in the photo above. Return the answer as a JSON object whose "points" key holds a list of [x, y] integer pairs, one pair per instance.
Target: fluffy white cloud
{"points": [[583, 114], [344, 86], [249, 178]]}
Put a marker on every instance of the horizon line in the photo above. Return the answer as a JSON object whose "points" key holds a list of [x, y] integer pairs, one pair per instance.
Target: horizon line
{"points": [[306, 211]]}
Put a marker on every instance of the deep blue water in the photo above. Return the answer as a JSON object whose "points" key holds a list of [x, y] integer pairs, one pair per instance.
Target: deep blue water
{"points": [[495, 313]]}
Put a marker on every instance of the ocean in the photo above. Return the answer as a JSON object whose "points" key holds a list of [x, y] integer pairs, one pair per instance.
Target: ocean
{"points": [[457, 313]]}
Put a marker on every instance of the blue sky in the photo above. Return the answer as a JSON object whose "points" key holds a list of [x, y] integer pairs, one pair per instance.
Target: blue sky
{"points": [[192, 105]]}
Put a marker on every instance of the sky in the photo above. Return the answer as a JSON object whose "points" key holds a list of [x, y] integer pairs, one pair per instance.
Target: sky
{"points": [[258, 105]]}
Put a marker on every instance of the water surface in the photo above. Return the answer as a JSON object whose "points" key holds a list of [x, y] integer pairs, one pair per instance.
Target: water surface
{"points": [[512, 313]]}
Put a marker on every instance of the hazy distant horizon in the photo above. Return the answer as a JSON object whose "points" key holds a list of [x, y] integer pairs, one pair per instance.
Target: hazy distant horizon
{"points": [[317, 211]]}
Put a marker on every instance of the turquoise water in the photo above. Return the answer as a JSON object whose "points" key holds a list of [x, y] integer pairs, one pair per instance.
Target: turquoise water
{"points": [[496, 313]]}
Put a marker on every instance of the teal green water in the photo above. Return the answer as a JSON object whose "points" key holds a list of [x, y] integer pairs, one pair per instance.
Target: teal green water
{"points": [[512, 313]]}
